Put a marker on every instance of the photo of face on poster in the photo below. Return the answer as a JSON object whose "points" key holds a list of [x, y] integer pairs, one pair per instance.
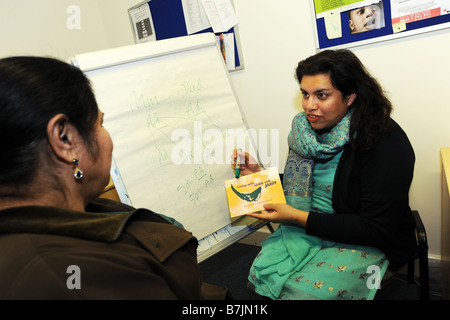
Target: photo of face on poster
{"points": [[366, 18]]}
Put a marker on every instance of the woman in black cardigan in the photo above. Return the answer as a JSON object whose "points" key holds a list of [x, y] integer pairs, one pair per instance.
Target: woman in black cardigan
{"points": [[346, 180]]}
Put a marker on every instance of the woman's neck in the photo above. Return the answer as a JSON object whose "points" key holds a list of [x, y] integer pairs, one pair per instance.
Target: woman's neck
{"points": [[38, 196]]}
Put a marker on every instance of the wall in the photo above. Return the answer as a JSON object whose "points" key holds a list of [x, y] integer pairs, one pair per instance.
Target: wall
{"points": [[39, 28], [275, 35]]}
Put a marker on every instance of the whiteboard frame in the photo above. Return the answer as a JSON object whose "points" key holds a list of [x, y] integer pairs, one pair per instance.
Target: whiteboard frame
{"points": [[123, 55]]}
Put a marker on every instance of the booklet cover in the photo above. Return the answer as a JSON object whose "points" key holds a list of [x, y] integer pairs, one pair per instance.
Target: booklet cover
{"points": [[249, 193]]}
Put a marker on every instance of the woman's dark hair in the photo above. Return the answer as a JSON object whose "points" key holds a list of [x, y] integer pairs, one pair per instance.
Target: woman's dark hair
{"points": [[32, 91], [371, 107]]}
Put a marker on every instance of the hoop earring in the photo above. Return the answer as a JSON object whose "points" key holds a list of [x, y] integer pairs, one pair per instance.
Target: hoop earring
{"points": [[77, 173]]}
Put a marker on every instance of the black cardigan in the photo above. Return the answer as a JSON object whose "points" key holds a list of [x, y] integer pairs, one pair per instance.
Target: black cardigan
{"points": [[370, 198]]}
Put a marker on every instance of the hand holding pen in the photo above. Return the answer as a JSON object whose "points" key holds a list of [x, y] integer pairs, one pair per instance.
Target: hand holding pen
{"points": [[237, 158], [243, 163]]}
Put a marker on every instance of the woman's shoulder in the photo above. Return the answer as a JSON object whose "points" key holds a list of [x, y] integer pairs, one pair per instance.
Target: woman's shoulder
{"points": [[396, 128], [396, 136], [391, 146]]}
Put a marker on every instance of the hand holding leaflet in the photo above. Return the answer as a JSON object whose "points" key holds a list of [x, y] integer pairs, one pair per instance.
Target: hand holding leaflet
{"points": [[249, 193]]}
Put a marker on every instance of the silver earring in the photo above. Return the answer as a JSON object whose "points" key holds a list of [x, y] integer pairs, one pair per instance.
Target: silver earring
{"points": [[77, 173]]}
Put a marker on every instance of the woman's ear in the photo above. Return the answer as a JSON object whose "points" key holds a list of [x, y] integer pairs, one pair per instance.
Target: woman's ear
{"points": [[62, 137], [350, 99]]}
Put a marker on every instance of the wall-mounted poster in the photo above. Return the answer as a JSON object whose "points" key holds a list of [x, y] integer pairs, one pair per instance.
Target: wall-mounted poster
{"points": [[348, 23]]}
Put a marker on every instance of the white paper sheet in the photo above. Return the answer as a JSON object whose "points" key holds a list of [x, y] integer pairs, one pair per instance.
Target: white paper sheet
{"points": [[195, 16], [220, 14], [414, 10], [143, 29]]}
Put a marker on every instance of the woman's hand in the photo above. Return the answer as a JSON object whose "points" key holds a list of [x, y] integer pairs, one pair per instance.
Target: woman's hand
{"points": [[282, 213], [248, 163]]}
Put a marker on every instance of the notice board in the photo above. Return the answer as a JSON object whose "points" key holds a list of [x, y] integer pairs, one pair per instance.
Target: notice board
{"points": [[168, 21], [336, 26]]}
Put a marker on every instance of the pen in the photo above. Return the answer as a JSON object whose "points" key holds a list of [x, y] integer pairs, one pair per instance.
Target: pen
{"points": [[238, 164]]}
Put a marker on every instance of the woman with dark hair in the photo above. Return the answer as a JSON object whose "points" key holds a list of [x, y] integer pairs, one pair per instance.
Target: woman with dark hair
{"points": [[56, 242], [346, 181]]}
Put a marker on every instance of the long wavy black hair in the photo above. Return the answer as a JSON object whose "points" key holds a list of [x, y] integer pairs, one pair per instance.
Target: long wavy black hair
{"points": [[372, 109]]}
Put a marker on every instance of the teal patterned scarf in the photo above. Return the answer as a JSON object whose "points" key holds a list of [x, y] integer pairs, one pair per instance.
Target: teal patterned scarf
{"points": [[306, 147], [311, 145]]}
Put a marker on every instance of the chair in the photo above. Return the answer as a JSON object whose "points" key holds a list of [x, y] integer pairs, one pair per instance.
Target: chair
{"points": [[422, 255]]}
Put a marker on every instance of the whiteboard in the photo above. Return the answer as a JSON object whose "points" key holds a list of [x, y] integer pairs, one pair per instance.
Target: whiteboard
{"points": [[174, 119]]}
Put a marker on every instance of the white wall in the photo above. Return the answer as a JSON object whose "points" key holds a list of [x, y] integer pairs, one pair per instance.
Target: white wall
{"points": [[274, 35], [39, 28]]}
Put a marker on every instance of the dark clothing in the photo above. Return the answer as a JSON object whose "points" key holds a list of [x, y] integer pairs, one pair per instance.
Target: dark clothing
{"points": [[370, 198], [131, 255]]}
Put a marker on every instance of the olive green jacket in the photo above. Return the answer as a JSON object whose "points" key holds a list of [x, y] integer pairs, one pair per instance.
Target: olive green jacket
{"points": [[53, 253]]}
